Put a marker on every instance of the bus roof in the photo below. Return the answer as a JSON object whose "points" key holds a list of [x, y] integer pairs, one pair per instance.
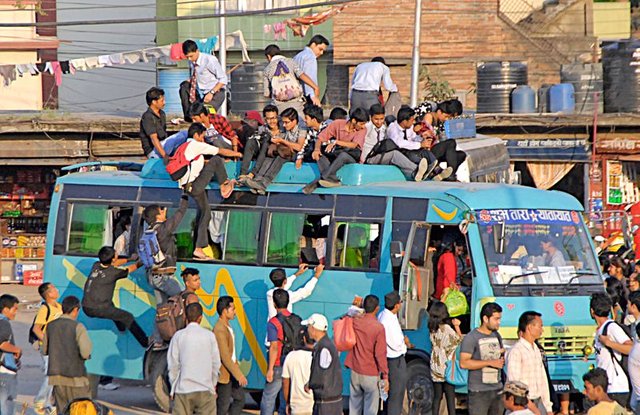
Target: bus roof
{"points": [[473, 195]]}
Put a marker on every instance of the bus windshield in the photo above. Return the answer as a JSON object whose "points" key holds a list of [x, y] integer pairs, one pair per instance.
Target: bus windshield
{"points": [[537, 247]]}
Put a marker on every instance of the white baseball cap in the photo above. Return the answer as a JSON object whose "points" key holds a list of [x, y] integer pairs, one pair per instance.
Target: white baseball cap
{"points": [[317, 321]]}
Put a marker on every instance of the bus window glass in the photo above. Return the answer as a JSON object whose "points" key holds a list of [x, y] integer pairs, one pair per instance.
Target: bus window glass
{"points": [[541, 247], [356, 245], [296, 237], [88, 229], [184, 233], [242, 236]]}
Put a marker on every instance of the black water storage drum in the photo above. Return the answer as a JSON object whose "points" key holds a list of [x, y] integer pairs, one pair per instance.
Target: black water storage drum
{"points": [[621, 67], [495, 81], [586, 80], [247, 88]]}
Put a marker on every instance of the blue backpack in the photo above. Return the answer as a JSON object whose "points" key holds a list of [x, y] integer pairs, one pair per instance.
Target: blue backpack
{"points": [[149, 249]]}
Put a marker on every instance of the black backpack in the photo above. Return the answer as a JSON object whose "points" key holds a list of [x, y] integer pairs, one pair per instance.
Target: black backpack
{"points": [[32, 335], [624, 362], [292, 329]]}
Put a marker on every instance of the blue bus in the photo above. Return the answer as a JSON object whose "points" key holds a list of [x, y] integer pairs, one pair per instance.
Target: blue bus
{"points": [[375, 234]]}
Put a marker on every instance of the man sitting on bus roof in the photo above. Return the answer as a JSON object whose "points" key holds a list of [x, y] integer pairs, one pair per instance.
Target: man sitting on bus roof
{"points": [[153, 128], [219, 132], [314, 118], [346, 139], [97, 300]]}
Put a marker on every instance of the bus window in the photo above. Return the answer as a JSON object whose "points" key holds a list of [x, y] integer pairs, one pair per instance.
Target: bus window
{"points": [[297, 237], [185, 243], [242, 236], [356, 245], [93, 226]]}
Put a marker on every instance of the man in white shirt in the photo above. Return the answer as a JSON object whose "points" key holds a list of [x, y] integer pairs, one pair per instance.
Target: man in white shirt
{"points": [[193, 363], [397, 344], [279, 279], [377, 132], [524, 363], [207, 79], [198, 175], [611, 343], [295, 376], [366, 81]]}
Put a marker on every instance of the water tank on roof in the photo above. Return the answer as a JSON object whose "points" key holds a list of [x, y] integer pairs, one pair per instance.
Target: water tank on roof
{"points": [[562, 98], [620, 72], [169, 79], [247, 88], [586, 80], [523, 100], [495, 81]]}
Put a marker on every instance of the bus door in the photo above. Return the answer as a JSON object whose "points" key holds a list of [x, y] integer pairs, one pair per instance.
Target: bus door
{"points": [[416, 275]]}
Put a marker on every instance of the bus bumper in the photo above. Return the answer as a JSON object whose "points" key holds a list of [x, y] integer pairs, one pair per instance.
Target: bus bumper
{"points": [[566, 373]]}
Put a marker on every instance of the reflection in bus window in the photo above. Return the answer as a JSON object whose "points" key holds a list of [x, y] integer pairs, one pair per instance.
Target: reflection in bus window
{"points": [[93, 226], [356, 245], [185, 242], [242, 236], [297, 237]]}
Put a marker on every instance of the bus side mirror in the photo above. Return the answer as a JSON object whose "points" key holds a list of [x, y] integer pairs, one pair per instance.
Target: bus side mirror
{"points": [[498, 237], [397, 252]]}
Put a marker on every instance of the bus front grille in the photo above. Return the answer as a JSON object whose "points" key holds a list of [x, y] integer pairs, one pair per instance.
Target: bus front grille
{"points": [[562, 346]]}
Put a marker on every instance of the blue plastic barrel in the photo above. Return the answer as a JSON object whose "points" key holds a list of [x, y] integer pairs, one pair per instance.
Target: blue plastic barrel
{"points": [[562, 98], [523, 100], [169, 79]]}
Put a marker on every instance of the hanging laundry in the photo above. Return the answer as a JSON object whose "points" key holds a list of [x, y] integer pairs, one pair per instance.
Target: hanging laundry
{"points": [[48, 67], [79, 64], [21, 69], [8, 74], [280, 31], [236, 40], [92, 62], [267, 29], [116, 59], [33, 70], [65, 67], [176, 53], [207, 45], [57, 72], [104, 60], [155, 53], [134, 57], [41, 67], [300, 25]]}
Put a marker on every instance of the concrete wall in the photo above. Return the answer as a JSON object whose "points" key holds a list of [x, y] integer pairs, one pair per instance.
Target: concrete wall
{"points": [[26, 92]]}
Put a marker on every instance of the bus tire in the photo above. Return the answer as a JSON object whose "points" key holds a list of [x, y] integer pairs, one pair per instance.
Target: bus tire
{"points": [[419, 388], [159, 381]]}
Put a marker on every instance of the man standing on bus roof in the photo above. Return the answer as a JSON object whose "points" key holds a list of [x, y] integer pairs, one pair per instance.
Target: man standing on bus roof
{"points": [[307, 60], [278, 277], [97, 300], [367, 360], [482, 354]]}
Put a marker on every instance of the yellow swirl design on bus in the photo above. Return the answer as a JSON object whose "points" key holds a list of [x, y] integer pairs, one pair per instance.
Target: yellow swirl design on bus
{"points": [[223, 279], [448, 216]]}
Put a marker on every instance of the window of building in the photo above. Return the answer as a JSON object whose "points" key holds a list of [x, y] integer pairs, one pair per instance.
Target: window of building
{"points": [[356, 245], [297, 237]]}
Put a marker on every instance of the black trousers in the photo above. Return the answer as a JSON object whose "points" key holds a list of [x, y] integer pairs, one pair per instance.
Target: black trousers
{"points": [[417, 155], [449, 393], [230, 398], [262, 155], [214, 167], [333, 407], [446, 151], [329, 166], [185, 87], [251, 151], [397, 385], [123, 320]]}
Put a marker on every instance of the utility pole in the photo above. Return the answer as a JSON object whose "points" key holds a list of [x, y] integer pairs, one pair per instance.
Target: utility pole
{"points": [[223, 47], [415, 61]]}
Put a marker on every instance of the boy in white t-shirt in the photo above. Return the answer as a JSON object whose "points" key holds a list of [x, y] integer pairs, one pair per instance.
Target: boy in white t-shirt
{"points": [[295, 375], [615, 341]]}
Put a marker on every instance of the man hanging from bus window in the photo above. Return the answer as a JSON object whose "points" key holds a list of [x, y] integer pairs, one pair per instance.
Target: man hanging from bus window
{"points": [[97, 300], [278, 277], [376, 133], [346, 139], [199, 174], [280, 150]]}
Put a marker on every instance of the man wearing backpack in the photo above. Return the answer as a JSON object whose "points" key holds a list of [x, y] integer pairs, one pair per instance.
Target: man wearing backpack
{"points": [[48, 311], [612, 345], [282, 335], [281, 81]]}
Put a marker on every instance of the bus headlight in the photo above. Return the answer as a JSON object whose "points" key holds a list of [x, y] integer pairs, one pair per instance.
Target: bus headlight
{"points": [[587, 350]]}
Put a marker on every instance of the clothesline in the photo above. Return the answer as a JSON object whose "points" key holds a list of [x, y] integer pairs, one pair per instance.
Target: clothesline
{"points": [[300, 25]]}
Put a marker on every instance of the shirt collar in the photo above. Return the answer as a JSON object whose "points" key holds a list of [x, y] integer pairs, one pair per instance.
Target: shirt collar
{"points": [[276, 58], [200, 59], [526, 343]]}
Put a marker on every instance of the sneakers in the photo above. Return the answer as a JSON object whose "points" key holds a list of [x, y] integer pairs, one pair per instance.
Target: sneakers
{"points": [[308, 189], [329, 183], [255, 186], [109, 386], [444, 174], [424, 169]]}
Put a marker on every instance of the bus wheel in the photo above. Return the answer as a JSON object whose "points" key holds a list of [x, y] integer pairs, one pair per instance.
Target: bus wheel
{"points": [[158, 379], [419, 388]]}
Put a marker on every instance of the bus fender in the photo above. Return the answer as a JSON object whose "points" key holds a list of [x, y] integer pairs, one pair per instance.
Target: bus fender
{"points": [[413, 354]]}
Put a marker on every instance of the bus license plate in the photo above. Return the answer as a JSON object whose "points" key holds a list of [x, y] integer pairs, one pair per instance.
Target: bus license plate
{"points": [[563, 386]]}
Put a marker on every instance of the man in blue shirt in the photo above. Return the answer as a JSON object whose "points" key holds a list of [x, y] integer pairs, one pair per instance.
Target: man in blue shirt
{"points": [[207, 79], [307, 59]]}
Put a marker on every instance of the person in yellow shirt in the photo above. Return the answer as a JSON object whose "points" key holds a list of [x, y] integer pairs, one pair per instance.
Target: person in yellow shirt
{"points": [[596, 383], [48, 311]]}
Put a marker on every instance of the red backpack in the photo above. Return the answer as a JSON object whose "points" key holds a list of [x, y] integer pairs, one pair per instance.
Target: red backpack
{"points": [[178, 163]]}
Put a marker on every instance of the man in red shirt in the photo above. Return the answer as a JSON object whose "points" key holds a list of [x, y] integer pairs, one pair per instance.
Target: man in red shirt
{"points": [[346, 139], [367, 360], [219, 132]]}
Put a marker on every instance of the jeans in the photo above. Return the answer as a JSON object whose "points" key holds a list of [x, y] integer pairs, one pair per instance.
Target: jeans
{"points": [[450, 395], [396, 158], [44, 394], [363, 99], [164, 286], [230, 398], [262, 156], [329, 169], [270, 169], [251, 150], [8, 393], [364, 395], [171, 143], [397, 385], [446, 151], [485, 403], [214, 167], [271, 392]]}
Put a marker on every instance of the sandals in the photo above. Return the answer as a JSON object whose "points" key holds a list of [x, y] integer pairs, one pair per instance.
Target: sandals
{"points": [[229, 186]]}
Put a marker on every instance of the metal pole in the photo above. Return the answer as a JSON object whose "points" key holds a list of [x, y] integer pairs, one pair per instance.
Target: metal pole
{"points": [[223, 46], [415, 64]]}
